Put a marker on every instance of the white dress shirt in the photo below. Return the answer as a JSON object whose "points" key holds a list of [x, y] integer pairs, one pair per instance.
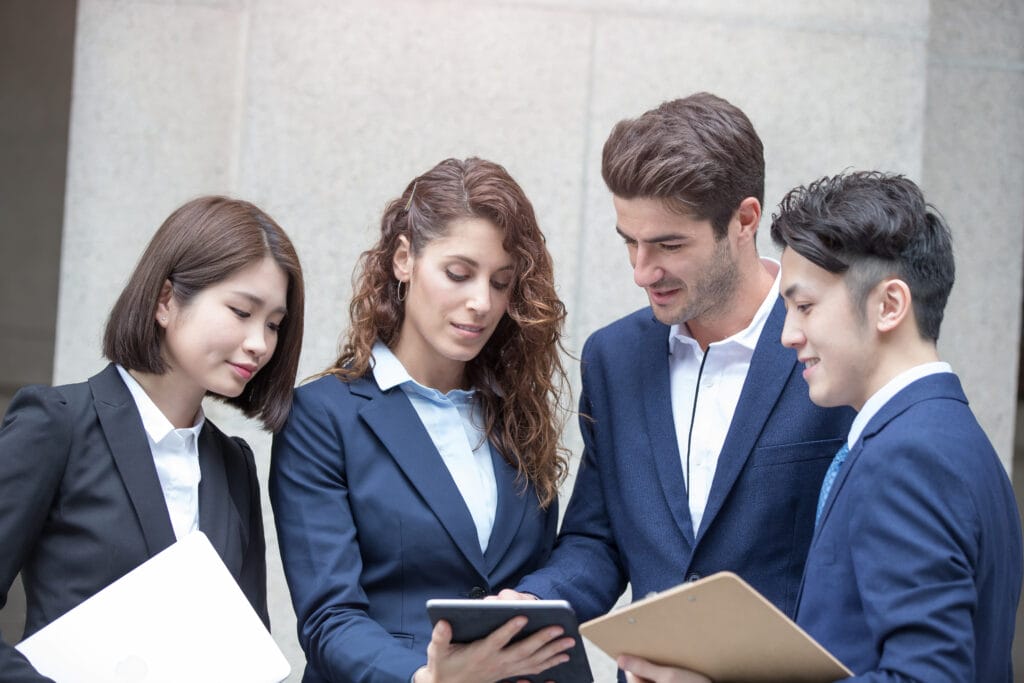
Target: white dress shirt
{"points": [[176, 456], [705, 388], [455, 425], [885, 394]]}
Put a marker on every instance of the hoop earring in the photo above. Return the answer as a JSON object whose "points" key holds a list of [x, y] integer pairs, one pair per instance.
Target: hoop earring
{"points": [[402, 293]]}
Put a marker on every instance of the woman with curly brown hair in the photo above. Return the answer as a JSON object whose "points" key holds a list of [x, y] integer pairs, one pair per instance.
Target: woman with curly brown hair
{"points": [[425, 462]]}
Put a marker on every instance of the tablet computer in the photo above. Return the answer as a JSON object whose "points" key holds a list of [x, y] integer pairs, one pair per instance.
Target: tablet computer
{"points": [[475, 619]]}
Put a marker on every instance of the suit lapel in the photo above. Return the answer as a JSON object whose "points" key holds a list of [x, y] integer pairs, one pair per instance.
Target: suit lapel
{"points": [[122, 427], [770, 367], [837, 485], [512, 504], [218, 517], [653, 378], [393, 419], [840, 479], [894, 407], [940, 385], [944, 385]]}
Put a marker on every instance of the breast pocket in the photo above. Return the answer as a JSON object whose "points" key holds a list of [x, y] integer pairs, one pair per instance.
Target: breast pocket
{"points": [[792, 453], [404, 639]]}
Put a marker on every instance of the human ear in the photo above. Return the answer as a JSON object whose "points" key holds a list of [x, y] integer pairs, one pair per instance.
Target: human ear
{"points": [[164, 304], [402, 260], [894, 304], [748, 217]]}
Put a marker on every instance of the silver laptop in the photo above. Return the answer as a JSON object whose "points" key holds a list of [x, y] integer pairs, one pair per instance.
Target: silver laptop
{"points": [[178, 617]]}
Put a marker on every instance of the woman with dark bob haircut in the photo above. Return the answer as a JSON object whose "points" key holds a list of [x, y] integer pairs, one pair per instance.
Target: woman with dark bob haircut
{"points": [[425, 463], [97, 477]]}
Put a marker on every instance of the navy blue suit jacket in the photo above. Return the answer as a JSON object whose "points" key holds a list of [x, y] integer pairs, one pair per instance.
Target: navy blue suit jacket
{"points": [[371, 525], [628, 518], [81, 503], [915, 571]]}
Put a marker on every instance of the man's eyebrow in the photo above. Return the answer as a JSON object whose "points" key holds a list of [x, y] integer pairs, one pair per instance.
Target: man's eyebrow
{"points": [[669, 237], [791, 290]]}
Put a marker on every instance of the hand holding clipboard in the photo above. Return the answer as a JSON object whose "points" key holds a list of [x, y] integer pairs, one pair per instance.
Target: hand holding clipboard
{"points": [[720, 627]]}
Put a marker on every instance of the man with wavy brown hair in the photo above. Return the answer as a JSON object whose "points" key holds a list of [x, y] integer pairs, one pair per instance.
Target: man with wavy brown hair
{"points": [[702, 450]]}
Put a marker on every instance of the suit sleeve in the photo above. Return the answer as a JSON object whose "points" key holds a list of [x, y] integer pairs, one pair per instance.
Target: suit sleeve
{"points": [[585, 568], [915, 545], [320, 552], [34, 442], [253, 579]]}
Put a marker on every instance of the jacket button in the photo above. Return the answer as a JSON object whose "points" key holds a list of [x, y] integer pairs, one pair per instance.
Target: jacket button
{"points": [[693, 577], [476, 592]]}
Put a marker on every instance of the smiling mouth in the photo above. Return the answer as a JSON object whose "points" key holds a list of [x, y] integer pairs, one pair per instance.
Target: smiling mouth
{"points": [[811, 362], [246, 371], [468, 328], [664, 288]]}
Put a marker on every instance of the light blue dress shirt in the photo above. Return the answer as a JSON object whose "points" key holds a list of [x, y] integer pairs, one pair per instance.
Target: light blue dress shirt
{"points": [[455, 425]]}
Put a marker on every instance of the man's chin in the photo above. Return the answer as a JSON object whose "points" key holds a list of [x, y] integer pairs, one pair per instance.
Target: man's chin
{"points": [[666, 315]]}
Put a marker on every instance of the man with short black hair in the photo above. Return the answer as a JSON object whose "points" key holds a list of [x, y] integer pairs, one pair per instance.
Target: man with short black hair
{"points": [[915, 569]]}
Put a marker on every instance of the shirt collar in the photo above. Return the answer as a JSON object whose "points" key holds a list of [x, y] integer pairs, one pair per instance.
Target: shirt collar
{"points": [[885, 394], [748, 336], [389, 372], [155, 423]]}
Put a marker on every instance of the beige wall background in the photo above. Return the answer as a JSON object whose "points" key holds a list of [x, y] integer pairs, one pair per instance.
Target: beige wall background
{"points": [[320, 111]]}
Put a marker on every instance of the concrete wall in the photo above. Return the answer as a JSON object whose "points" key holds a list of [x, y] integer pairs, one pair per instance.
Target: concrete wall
{"points": [[36, 51], [36, 46], [973, 170], [320, 111]]}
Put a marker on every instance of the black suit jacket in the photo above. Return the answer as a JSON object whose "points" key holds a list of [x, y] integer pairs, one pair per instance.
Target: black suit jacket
{"points": [[81, 504]]}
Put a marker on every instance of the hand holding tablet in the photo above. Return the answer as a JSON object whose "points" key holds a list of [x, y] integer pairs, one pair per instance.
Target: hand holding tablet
{"points": [[486, 628]]}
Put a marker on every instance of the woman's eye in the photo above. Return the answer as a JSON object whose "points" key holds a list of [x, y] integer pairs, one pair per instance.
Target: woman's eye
{"points": [[239, 312], [456, 277], [274, 327], [500, 286], [803, 308]]}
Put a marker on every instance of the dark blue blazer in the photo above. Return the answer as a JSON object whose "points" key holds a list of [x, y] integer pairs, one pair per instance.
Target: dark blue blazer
{"points": [[915, 571], [371, 525], [628, 518], [81, 503]]}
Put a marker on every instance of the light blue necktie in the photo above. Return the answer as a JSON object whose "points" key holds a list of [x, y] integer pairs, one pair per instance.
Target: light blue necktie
{"points": [[830, 478]]}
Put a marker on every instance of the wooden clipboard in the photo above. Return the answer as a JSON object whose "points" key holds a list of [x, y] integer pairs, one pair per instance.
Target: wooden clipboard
{"points": [[718, 626]]}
